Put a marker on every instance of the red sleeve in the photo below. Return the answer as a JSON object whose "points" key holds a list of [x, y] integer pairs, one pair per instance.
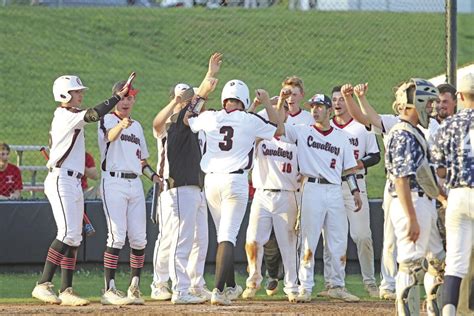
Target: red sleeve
{"points": [[18, 185], [89, 161]]}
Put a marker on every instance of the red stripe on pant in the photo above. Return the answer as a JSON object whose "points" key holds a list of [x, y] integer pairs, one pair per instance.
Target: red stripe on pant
{"points": [[68, 263], [110, 260], [54, 256], [137, 261]]}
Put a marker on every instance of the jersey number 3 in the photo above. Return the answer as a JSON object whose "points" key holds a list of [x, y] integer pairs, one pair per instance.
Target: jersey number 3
{"points": [[228, 133]]}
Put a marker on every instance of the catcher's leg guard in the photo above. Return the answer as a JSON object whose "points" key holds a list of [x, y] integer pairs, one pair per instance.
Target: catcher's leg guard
{"points": [[409, 302], [434, 293]]}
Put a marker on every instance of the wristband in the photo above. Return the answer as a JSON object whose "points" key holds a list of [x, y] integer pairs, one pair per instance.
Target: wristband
{"points": [[196, 104], [352, 182], [148, 172]]}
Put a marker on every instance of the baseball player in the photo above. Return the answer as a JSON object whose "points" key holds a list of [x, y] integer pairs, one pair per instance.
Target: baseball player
{"points": [[183, 198], [324, 153], [230, 139], [447, 103], [63, 185], [382, 124], [296, 115], [123, 153], [367, 154], [453, 151], [275, 177], [412, 187]]}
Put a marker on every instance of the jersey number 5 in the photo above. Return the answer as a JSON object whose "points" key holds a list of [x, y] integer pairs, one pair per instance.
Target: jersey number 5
{"points": [[228, 133]]}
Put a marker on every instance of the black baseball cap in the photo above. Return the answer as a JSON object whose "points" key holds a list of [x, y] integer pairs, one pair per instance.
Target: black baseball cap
{"points": [[320, 99]]}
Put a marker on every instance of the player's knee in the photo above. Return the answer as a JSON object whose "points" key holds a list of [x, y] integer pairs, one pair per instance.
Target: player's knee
{"points": [[138, 244], [73, 240]]}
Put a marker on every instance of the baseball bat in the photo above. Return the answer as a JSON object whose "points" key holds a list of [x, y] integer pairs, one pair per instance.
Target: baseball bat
{"points": [[88, 227]]}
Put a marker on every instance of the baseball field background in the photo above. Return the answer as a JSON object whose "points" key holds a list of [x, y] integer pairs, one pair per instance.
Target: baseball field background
{"points": [[166, 46]]}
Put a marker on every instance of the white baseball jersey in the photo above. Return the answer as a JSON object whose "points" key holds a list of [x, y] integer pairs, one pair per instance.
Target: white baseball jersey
{"points": [[67, 146], [302, 117], [115, 155], [275, 166], [321, 154], [362, 141], [230, 138], [389, 120]]}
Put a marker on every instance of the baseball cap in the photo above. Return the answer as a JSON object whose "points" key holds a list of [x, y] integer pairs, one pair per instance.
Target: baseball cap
{"points": [[180, 87], [319, 98], [119, 85], [466, 84]]}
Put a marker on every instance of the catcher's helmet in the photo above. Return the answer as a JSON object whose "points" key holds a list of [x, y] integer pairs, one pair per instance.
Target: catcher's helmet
{"points": [[63, 85], [423, 92], [236, 89]]}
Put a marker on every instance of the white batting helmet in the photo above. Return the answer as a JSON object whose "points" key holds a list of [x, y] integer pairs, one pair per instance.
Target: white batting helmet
{"points": [[63, 85], [424, 92], [236, 89]]}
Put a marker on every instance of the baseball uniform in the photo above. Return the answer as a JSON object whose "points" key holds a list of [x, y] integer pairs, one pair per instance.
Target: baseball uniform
{"points": [[274, 206], [322, 157]]}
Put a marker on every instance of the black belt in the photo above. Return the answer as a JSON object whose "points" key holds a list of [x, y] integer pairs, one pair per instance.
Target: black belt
{"points": [[70, 173], [240, 171], [420, 194], [358, 176], [124, 175], [319, 180], [272, 190]]}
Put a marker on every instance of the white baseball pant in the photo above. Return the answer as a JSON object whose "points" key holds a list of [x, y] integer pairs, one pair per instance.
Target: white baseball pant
{"points": [[388, 269], [277, 209], [64, 193], [359, 229], [125, 211], [322, 206], [227, 198]]}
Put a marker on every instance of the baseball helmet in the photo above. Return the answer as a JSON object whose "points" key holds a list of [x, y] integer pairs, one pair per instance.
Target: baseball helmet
{"points": [[423, 92], [236, 89], [63, 85]]}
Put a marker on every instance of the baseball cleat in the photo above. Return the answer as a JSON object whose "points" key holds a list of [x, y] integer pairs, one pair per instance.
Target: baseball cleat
{"points": [[249, 293], [115, 297], [160, 291], [292, 297], [201, 292], [69, 298], [272, 287], [341, 293], [387, 295], [233, 293], [304, 296], [373, 290], [188, 298], [323, 293], [135, 295], [219, 298], [44, 292]]}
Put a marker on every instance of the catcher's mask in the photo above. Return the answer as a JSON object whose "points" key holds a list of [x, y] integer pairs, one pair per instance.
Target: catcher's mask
{"points": [[423, 95]]}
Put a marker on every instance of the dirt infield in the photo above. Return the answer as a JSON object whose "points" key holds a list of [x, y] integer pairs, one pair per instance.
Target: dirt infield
{"points": [[238, 308]]}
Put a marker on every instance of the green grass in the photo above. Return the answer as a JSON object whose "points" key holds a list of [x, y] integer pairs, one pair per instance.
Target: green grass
{"points": [[103, 45], [16, 287]]}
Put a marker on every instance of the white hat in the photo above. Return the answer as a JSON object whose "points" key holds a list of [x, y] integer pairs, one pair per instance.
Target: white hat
{"points": [[180, 87], [466, 83]]}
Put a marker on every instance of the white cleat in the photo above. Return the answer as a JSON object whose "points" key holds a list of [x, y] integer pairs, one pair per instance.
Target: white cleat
{"points": [[373, 290], [233, 293], [249, 293], [219, 298], [303, 296], [388, 295], [69, 298], [201, 292], [188, 298], [292, 297], [160, 291], [115, 297], [135, 295], [341, 293], [44, 292]]}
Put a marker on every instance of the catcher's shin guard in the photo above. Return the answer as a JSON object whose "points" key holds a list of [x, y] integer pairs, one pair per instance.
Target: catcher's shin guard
{"points": [[409, 303], [434, 299]]}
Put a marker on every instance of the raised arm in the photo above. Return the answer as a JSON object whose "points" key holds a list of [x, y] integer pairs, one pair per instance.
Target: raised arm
{"points": [[354, 110], [372, 115]]}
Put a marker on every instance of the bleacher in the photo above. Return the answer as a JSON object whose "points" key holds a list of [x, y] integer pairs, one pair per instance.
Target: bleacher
{"points": [[29, 173]]}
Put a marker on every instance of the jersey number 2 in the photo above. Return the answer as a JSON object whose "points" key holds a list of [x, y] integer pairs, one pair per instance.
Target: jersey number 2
{"points": [[228, 133], [333, 163]]}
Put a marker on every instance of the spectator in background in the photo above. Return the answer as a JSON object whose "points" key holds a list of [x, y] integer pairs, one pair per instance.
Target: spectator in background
{"points": [[90, 172], [11, 183], [447, 103]]}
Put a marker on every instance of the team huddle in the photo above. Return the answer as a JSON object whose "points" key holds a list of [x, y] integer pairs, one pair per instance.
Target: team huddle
{"points": [[308, 169]]}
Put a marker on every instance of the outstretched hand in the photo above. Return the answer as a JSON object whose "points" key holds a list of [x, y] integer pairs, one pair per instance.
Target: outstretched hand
{"points": [[214, 64]]}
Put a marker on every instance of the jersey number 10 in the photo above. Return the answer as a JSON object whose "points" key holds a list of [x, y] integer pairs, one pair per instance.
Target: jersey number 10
{"points": [[286, 167]]}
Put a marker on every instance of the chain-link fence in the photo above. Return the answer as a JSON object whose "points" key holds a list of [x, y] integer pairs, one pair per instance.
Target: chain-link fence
{"points": [[333, 42]]}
